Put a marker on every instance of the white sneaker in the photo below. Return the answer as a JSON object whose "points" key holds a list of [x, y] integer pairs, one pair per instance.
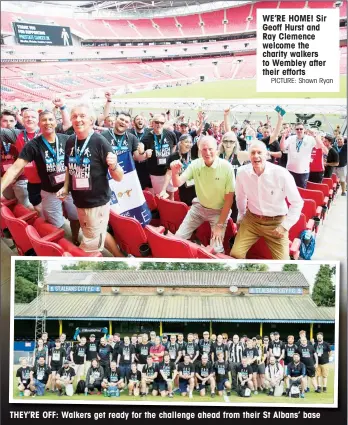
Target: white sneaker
{"points": [[190, 395], [256, 392]]}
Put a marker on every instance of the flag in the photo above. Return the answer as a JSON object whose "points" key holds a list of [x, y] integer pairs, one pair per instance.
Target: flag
{"points": [[127, 197]]}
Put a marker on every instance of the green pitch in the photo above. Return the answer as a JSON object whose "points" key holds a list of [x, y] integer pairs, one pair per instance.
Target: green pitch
{"points": [[310, 398], [231, 89]]}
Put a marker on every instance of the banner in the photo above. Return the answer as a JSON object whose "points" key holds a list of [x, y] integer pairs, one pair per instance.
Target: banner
{"points": [[75, 288], [43, 35], [127, 197], [283, 291]]}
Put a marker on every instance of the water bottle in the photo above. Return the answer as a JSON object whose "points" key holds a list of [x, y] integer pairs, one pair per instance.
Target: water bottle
{"points": [[105, 392], [86, 390]]}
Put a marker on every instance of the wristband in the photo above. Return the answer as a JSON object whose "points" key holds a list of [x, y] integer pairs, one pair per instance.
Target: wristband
{"points": [[109, 100], [62, 107], [114, 169]]}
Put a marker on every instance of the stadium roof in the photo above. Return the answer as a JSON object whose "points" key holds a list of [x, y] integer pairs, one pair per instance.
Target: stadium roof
{"points": [[174, 308], [178, 278]]}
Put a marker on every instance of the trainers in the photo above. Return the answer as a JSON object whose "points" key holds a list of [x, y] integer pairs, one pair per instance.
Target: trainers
{"points": [[170, 395], [344, 194], [228, 393], [302, 395], [190, 395], [307, 390], [317, 390], [324, 389], [255, 392], [60, 393], [212, 395]]}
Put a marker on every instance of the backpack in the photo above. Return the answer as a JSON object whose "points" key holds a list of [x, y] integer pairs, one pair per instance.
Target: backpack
{"points": [[80, 387], [294, 390], [244, 391], [307, 244], [113, 392]]}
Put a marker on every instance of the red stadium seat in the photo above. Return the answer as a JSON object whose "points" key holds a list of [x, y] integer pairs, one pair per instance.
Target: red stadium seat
{"points": [[55, 245], [208, 252], [17, 222], [327, 192], [171, 213], [317, 196], [203, 234], [312, 212], [129, 234], [332, 186], [167, 246], [336, 183], [151, 201]]}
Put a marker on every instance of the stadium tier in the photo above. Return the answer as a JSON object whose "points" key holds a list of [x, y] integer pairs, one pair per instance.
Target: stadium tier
{"points": [[225, 21]]}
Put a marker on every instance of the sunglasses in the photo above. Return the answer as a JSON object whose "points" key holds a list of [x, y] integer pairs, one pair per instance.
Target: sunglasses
{"points": [[299, 129], [159, 122], [228, 141]]}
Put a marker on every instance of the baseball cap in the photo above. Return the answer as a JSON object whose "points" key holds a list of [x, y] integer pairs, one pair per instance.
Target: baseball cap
{"points": [[164, 336], [184, 123], [66, 362], [92, 335]]}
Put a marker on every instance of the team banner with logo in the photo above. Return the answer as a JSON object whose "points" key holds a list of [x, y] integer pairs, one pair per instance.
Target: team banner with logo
{"points": [[127, 197]]}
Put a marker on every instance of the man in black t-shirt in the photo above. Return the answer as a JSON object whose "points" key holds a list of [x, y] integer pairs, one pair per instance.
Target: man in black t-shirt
{"points": [[235, 358], [142, 351], [23, 376], [341, 169], [309, 358], [78, 357], [221, 369], [186, 372], [245, 374], [296, 374], [159, 144], [173, 349], [148, 376], [205, 375], [205, 346], [40, 377], [191, 348], [332, 159], [65, 376], [166, 375], [47, 151], [89, 159], [55, 360], [252, 355], [113, 378], [323, 351], [219, 347], [290, 349], [91, 353], [125, 357], [277, 348], [134, 380]]}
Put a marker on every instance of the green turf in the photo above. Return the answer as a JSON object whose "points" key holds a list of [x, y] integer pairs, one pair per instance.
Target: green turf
{"points": [[231, 89], [310, 398]]}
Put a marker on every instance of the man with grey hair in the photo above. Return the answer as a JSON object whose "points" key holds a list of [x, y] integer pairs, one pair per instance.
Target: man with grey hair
{"points": [[262, 189], [88, 159], [214, 182]]}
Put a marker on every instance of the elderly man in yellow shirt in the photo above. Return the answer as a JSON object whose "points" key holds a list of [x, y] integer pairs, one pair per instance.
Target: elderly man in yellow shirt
{"points": [[214, 181]]}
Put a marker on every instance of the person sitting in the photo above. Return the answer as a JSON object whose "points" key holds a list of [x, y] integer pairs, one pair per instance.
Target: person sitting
{"points": [[274, 375], [94, 377]]}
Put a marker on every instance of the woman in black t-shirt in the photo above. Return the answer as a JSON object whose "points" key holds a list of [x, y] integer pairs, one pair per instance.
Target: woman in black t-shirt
{"points": [[228, 150], [184, 153]]}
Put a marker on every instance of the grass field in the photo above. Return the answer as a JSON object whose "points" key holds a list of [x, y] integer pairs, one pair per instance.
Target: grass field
{"points": [[231, 89], [310, 398]]}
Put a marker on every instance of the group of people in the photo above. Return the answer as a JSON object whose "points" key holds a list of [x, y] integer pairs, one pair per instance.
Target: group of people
{"points": [[215, 364], [221, 171]]}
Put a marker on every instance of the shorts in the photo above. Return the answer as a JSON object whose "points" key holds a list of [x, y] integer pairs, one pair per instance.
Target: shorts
{"points": [[55, 367], [323, 370], [34, 192], [255, 367], [261, 369], [21, 192], [341, 173], [157, 184], [156, 386], [94, 224], [316, 176], [26, 386], [203, 387], [221, 384], [183, 384], [310, 371], [53, 211]]}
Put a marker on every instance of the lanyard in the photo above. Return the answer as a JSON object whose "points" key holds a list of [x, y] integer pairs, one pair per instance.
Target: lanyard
{"points": [[7, 147], [339, 149], [118, 142], [298, 144], [186, 162], [26, 139], [49, 147], [230, 158], [141, 135], [78, 156], [158, 144]]}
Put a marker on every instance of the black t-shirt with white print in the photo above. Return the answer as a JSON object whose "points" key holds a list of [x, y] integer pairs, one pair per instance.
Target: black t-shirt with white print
{"points": [[250, 353], [204, 370], [57, 355], [244, 371], [126, 352], [219, 348], [142, 351], [322, 349], [79, 353], [47, 166], [191, 349], [221, 370], [68, 372], [113, 376], [173, 350], [156, 165], [92, 348], [306, 355], [41, 373], [167, 369], [150, 370], [205, 347], [289, 353], [24, 374], [186, 369], [92, 167], [126, 142], [134, 376], [277, 347]]}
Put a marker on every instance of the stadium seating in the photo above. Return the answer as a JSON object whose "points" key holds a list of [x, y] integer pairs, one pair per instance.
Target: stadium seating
{"points": [[54, 245], [312, 212], [327, 192], [171, 213], [318, 197]]}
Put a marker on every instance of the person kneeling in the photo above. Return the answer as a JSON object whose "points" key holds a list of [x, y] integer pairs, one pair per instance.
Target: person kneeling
{"points": [[94, 377], [205, 376], [186, 376], [274, 376], [113, 380], [134, 379], [148, 376]]}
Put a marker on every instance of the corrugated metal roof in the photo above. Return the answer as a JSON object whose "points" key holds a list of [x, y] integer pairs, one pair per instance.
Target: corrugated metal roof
{"points": [[177, 278], [179, 307]]}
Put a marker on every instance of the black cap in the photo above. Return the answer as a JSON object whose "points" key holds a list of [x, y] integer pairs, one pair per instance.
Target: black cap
{"points": [[164, 336]]}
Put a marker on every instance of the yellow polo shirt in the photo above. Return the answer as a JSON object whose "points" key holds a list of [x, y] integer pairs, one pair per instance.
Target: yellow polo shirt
{"points": [[211, 183]]}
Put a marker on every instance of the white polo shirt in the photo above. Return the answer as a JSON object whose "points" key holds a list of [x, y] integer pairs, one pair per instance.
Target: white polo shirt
{"points": [[299, 159]]}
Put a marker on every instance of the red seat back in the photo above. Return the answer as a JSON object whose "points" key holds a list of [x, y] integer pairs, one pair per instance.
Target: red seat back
{"points": [[316, 195], [329, 182], [172, 213], [334, 177], [150, 200], [128, 233], [298, 227], [203, 234], [17, 229], [41, 247], [202, 253], [309, 208], [259, 251], [319, 186], [167, 247]]}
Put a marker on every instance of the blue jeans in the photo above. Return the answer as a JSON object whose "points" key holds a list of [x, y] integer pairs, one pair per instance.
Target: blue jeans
{"points": [[124, 369], [300, 179]]}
